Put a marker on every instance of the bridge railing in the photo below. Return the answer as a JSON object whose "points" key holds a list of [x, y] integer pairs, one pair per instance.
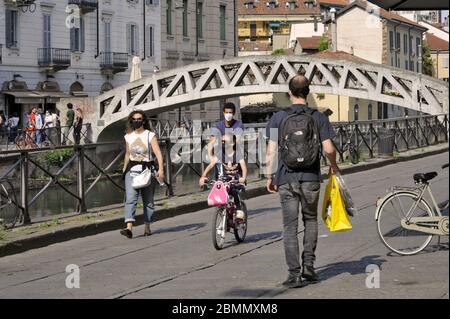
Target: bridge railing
{"points": [[409, 133], [18, 138]]}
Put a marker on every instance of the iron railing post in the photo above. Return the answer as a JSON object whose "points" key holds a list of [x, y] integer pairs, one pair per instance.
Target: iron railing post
{"points": [[24, 186], [81, 180], [371, 139], [168, 168]]}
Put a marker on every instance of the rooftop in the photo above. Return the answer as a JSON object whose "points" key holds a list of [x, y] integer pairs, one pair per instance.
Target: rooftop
{"points": [[436, 43]]}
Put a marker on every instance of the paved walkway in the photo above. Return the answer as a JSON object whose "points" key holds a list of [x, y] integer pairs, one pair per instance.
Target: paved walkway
{"points": [[179, 261]]}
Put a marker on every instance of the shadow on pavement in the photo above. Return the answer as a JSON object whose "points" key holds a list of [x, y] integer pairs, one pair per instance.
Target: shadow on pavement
{"points": [[253, 212], [351, 267], [188, 227], [246, 292], [264, 236]]}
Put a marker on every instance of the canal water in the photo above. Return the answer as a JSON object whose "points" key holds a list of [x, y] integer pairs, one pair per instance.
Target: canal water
{"points": [[56, 201]]}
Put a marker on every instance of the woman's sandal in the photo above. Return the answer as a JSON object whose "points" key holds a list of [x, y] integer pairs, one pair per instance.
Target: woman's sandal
{"points": [[126, 232]]}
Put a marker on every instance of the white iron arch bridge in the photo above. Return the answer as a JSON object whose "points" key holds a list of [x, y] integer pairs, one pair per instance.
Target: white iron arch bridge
{"points": [[212, 80]]}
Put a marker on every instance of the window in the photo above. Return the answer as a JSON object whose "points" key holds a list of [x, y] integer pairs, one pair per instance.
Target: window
{"points": [[398, 42], [185, 18], [411, 51], [107, 27], [77, 37], [356, 112], [132, 39], [391, 40], [406, 65], [200, 19], [169, 17], [417, 46], [12, 29], [411, 66], [47, 35], [445, 63], [222, 22], [405, 44], [369, 112], [151, 41]]}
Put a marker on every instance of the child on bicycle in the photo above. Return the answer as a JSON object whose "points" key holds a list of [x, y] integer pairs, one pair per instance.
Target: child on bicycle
{"points": [[232, 165]]}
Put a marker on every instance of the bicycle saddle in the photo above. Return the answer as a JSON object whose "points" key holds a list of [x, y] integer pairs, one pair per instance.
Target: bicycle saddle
{"points": [[424, 177]]}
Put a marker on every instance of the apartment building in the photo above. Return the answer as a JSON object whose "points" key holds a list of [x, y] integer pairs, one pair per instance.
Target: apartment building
{"points": [[72, 48]]}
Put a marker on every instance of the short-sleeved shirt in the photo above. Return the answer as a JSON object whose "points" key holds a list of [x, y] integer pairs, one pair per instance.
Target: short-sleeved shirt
{"points": [[139, 145], [70, 116], [229, 164], [311, 174], [220, 129]]}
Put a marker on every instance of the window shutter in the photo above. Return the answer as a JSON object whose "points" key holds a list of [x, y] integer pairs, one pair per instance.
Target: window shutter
{"points": [[81, 34], [147, 41], [72, 39], [8, 29], [136, 41], [128, 38]]}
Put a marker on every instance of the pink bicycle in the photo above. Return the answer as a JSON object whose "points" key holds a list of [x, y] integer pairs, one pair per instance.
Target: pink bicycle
{"points": [[224, 219]]}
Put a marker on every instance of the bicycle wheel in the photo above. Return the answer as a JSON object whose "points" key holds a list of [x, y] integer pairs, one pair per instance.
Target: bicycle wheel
{"points": [[20, 142], [219, 227], [10, 214], [394, 236], [240, 226]]}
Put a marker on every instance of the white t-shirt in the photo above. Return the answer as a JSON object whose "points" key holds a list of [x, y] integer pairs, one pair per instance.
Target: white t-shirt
{"points": [[138, 145]]}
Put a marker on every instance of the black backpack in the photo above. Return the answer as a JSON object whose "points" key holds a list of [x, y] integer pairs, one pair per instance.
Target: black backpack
{"points": [[299, 142]]}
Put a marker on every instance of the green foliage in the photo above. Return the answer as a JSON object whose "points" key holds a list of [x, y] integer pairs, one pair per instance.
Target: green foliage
{"points": [[55, 158], [427, 61], [278, 52], [323, 44]]}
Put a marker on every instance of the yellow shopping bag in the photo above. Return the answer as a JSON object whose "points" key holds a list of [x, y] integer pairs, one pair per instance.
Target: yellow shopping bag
{"points": [[333, 211]]}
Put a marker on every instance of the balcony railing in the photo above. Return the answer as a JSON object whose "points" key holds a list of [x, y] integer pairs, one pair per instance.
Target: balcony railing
{"points": [[85, 5], [53, 57], [114, 61]]}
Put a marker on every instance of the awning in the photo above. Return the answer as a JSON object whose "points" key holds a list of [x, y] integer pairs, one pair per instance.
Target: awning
{"points": [[26, 97], [36, 97], [53, 97], [412, 4]]}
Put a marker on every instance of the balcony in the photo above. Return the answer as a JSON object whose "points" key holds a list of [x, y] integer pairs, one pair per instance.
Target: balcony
{"points": [[52, 60], [85, 6], [113, 62]]}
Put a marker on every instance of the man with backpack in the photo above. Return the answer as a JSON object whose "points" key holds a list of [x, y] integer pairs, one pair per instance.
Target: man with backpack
{"points": [[297, 136]]}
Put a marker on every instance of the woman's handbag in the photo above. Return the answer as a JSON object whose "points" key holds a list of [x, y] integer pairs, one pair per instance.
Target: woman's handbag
{"points": [[144, 178]]}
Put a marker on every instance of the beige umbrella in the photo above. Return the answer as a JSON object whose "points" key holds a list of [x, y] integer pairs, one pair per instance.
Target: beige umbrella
{"points": [[136, 69]]}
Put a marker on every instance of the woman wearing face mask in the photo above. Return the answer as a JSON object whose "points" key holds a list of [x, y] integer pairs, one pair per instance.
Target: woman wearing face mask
{"points": [[140, 143]]}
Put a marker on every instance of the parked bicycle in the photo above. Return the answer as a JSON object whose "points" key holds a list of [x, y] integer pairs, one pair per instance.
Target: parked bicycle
{"points": [[406, 221], [25, 140], [350, 152], [224, 219], [10, 213]]}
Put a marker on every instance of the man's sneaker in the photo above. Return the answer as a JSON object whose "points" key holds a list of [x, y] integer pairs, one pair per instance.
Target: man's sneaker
{"points": [[309, 274], [240, 214], [294, 281]]}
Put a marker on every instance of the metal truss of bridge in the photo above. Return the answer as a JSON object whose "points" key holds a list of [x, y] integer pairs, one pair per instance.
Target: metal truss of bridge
{"points": [[212, 80]]}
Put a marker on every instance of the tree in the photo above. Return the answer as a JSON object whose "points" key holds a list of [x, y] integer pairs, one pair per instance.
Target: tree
{"points": [[323, 44], [278, 52], [427, 61]]}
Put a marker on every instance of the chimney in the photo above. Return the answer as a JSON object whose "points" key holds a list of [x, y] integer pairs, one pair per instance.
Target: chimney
{"points": [[333, 30]]}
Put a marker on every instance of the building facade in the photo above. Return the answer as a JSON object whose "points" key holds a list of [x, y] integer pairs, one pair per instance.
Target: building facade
{"points": [[194, 31], [439, 54], [73, 48], [383, 37]]}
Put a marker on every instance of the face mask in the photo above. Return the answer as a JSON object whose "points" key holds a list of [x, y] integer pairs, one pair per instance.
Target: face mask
{"points": [[228, 116], [137, 124]]}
